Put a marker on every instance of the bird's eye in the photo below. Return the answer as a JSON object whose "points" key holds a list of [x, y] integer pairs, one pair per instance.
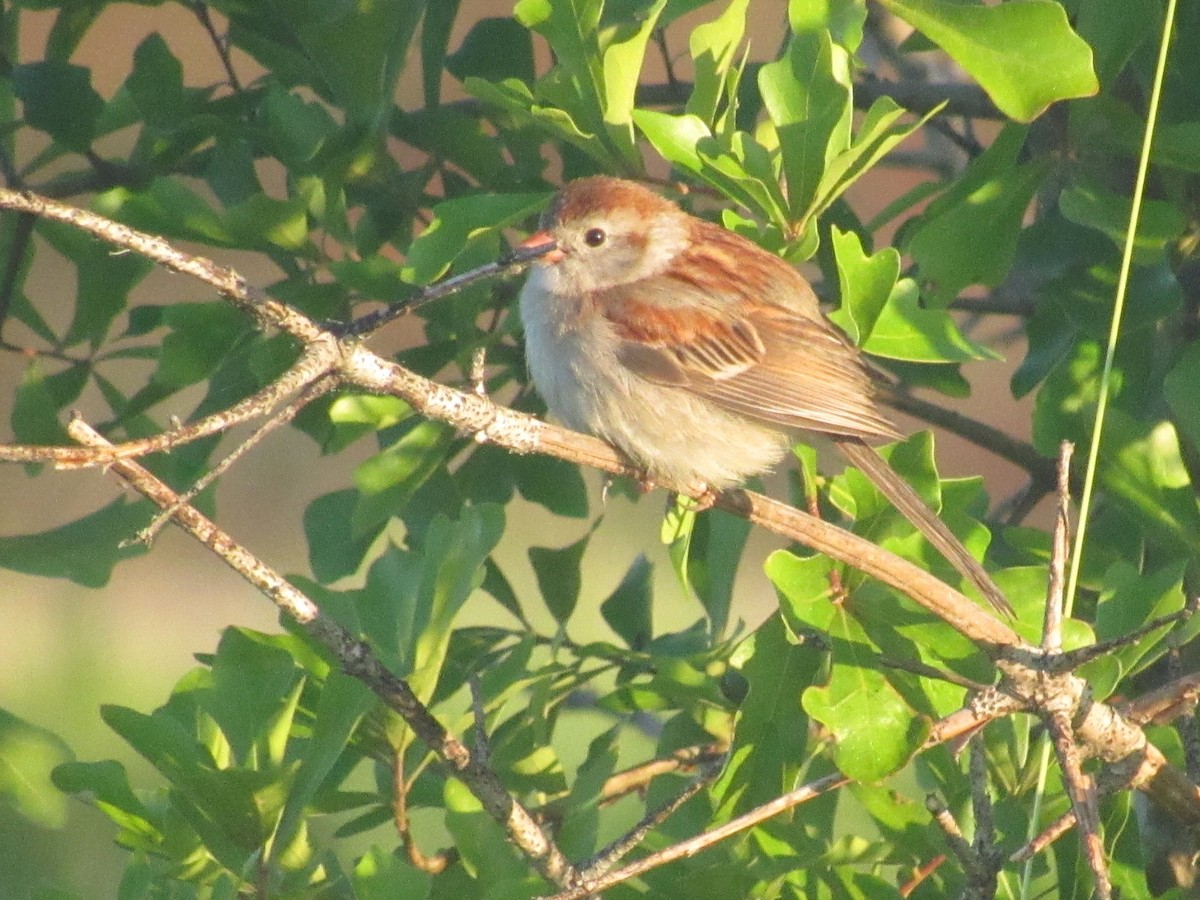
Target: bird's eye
{"points": [[594, 237]]}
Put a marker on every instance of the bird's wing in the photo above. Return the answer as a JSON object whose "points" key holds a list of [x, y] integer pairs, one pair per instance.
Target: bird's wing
{"points": [[770, 364]]}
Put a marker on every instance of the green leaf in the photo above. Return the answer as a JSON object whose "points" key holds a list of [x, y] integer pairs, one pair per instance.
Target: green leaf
{"points": [[865, 283], [156, 83], [298, 128], [219, 805], [906, 330], [381, 875], [334, 548], [590, 89], [553, 483], [435, 39], [678, 527], [1023, 52], [388, 480], [343, 703], [458, 223], [1179, 388], [103, 281], [369, 412], [411, 598], [1129, 600], [166, 206], [875, 731], [358, 49], [107, 786], [251, 680], [84, 551], [628, 608], [515, 98], [880, 131], [1114, 29], [59, 99], [771, 739], [717, 543], [1160, 223], [39, 402], [808, 100], [1143, 467], [970, 236], [262, 221], [27, 756], [687, 142], [578, 833], [712, 47], [559, 575], [485, 850], [621, 63], [476, 56], [200, 338]]}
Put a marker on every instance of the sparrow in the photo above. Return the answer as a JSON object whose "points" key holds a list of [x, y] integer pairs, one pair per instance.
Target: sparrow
{"points": [[696, 352]]}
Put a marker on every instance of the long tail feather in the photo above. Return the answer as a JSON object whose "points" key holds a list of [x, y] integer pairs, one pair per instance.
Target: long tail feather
{"points": [[905, 499]]}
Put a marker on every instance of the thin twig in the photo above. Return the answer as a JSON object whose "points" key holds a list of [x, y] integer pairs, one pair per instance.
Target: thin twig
{"points": [[483, 750], [318, 388], [316, 360], [1081, 790], [637, 778], [985, 845], [1073, 659], [692, 846], [979, 433], [438, 862], [219, 42], [603, 861], [959, 845], [917, 667], [510, 264], [921, 874], [1059, 554]]}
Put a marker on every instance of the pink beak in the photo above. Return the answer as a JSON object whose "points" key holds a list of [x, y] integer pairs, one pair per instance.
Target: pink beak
{"points": [[543, 246]]}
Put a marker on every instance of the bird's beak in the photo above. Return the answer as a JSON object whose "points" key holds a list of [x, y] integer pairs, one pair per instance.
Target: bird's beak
{"points": [[540, 247]]}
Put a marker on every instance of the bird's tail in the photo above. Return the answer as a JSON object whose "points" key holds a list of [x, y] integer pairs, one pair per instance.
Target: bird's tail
{"points": [[901, 495]]}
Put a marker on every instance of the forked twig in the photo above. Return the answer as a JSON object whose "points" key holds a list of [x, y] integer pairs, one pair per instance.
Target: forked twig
{"points": [[316, 389]]}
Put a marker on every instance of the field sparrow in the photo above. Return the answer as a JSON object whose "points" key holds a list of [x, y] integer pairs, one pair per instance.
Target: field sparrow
{"points": [[696, 352]]}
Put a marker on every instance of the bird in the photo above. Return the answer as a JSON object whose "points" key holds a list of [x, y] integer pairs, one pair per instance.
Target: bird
{"points": [[696, 352]]}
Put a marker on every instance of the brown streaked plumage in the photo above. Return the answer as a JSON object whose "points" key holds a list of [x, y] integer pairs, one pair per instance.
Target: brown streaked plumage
{"points": [[695, 351]]}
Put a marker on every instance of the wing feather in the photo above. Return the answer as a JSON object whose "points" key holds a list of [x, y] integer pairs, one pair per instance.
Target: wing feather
{"points": [[773, 365]]}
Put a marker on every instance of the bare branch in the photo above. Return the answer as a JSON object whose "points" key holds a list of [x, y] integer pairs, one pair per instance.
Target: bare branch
{"points": [[986, 849]]}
